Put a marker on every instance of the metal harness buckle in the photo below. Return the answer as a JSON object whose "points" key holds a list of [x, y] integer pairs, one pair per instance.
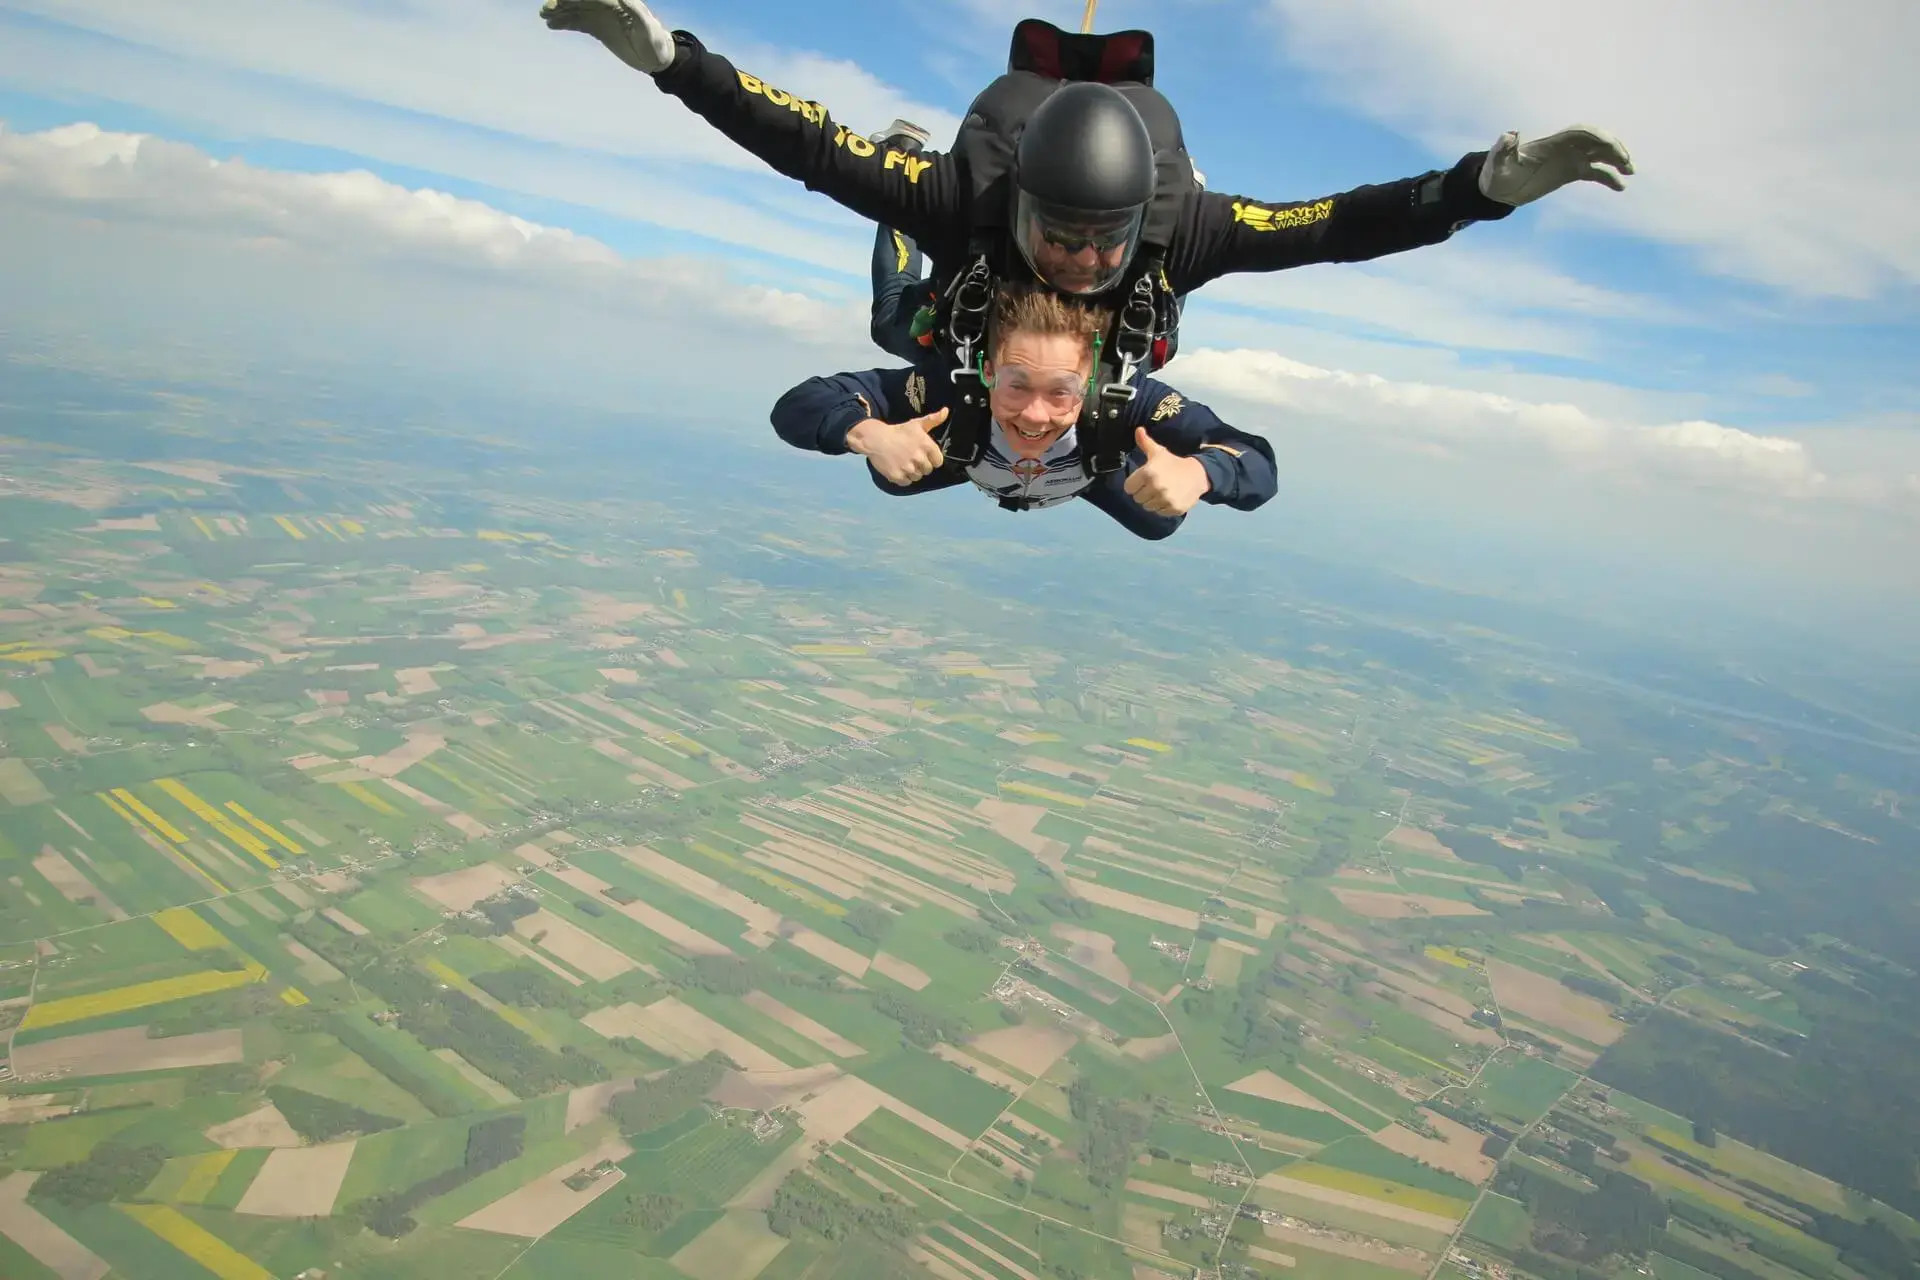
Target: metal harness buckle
{"points": [[970, 296], [1133, 344]]}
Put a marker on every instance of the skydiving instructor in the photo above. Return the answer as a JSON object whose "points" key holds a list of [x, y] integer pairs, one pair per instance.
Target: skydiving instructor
{"points": [[928, 196]]}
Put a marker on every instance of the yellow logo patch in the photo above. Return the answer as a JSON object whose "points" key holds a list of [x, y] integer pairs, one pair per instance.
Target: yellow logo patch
{"points": [[1299, 215]]}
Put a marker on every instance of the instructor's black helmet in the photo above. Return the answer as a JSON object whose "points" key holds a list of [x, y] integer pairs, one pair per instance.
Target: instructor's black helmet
{"points": [[1084, 176]]}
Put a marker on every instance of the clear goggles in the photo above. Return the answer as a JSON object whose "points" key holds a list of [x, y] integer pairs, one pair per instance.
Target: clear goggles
{"points": [[1060, 392]]}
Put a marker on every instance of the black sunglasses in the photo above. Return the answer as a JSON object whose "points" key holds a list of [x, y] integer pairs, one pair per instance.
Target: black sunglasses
{"points": [[1070, 243]]}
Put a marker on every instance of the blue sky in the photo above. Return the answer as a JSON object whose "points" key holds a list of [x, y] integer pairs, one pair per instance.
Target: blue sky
{"points": [[1725, 349]]}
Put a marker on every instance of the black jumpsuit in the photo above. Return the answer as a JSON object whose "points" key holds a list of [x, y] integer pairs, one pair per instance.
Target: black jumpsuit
{"points": [[928, 196]]}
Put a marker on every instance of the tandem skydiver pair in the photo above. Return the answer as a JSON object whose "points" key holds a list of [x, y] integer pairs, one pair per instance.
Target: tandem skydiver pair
{"points": [[1069, 176]]}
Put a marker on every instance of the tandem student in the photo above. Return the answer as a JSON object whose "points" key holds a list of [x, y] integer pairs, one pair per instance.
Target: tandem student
{"points": [[1039, 366]]}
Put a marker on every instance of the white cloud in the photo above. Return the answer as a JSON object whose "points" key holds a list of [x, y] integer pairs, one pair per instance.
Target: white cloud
{"points": [[490, 63], [1427, 415], [1310, 341], [480, 92], [359, 214], [1774, 140], [1392, 297]]}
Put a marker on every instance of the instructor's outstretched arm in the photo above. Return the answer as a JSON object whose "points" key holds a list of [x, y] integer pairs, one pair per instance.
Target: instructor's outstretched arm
{"points": [[1229, 234], [920, 194]]}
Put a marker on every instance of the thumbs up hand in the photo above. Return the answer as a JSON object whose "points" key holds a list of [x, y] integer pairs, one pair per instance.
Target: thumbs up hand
{"points": [[1165, 483], [902, 452]]}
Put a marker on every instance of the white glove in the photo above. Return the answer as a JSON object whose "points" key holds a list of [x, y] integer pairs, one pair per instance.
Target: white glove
{"points": [[627, 27], [1518, 173]]}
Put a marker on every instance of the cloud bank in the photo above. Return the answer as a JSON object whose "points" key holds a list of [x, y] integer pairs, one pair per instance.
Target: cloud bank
{"points": [[1773, 141], [133, 176], [1695, 451]]}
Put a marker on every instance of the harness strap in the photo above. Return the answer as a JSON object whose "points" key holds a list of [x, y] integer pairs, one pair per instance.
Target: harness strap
{"points": [[968, 303], [1104, 440]]}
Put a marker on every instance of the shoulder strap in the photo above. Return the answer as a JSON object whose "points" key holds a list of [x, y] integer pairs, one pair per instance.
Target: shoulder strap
{"points": [[1133, 341], [964, 339]]}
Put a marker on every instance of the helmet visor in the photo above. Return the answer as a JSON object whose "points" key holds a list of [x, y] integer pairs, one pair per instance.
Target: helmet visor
{"points": [[1076, 250]]}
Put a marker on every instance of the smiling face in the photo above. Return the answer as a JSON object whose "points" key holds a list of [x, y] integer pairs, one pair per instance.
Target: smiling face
{"points": [[1039, 385], [1041, 365]]}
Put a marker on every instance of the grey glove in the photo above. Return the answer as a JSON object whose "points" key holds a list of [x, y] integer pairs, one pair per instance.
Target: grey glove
{"points": [[1518, 173], [627, 27]]}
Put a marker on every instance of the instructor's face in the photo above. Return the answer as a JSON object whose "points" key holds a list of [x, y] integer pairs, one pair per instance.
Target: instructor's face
{"points": [[1076, 268], [1039, 385]]}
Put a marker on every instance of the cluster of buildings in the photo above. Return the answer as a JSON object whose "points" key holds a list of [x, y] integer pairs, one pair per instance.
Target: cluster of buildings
{"points": [[1492, 1269], [1172, 950], [1012, 992]]}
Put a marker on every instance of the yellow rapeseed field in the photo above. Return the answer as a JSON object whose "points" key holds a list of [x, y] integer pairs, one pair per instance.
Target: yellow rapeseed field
{"points": [[188, 929], [366, 797], [166, 638], [194, 1240], [219, 821], [203, 1175], [1042, 793], [1361, 1184], [178, 859], [513, 1017], [100, 1004], [32, 655], [152, 819], [265, 828]]}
